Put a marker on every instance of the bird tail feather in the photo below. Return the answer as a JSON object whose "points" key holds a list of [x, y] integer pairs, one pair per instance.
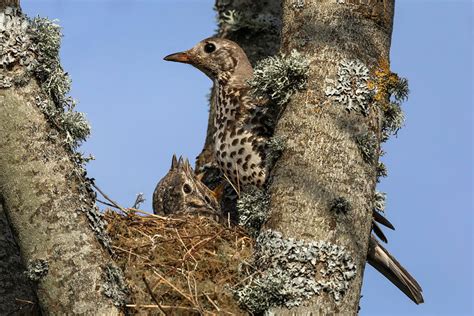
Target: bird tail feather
{"points": [[386, 264]]}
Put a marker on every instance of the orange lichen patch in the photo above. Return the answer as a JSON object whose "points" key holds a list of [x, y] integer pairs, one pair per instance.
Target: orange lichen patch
{"points": [[190, 263], [383, 82]]}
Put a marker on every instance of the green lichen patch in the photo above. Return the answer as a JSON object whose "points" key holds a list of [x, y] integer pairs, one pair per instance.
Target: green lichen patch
{"points": [[289, 271], [37, 269], [279, 77], [351, 88], [252, 208], [115, 286]]}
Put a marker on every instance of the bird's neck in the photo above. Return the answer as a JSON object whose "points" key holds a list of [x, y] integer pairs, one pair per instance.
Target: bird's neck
{"points": [[227, 97], [231, 89]]}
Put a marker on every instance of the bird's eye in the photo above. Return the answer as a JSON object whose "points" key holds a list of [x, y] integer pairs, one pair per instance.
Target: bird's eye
{"points": [[207, 199], [209, 48], [187, 188]]}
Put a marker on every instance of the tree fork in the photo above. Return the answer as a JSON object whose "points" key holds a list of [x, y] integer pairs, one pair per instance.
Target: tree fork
{"points": [[322, 163]]}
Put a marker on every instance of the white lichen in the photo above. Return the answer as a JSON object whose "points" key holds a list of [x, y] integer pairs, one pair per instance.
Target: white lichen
{"points": [[252, 209], [114, 285], [75, 126], [400, 90], [15, 43], [298, 4], [291, 271], [368, 144], [233, 20], [279, 77], [30, 49], [340, 205], [98, 224], [351, 88], [381, 171], [33, 45], [393, 120], [37, 269], [5, 81], [379, 201], [275, 146]]}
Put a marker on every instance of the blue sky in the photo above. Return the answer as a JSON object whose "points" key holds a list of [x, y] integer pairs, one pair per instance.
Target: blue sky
{"points": [[143, 110]]}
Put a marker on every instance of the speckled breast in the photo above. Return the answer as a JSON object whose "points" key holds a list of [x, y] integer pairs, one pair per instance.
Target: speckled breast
{"points": [[238, 157]]}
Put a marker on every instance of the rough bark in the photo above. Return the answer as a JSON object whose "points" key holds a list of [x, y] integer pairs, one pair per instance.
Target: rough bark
{"points": [[42, 202], [259, 40], [17, 295], [46, 197], [9, 3], [322, 162]]}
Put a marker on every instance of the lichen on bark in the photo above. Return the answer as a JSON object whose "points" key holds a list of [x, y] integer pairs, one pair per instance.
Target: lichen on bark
{"points": [[289, 271], [43, 183], [322, 162]]}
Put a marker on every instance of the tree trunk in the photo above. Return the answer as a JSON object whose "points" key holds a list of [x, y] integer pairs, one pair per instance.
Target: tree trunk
{"points": [[45, 195], [323, 186], [255, 26], [17, 294]]}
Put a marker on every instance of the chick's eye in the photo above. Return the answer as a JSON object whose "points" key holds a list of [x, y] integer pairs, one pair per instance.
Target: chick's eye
{"points": [[209, 48], [187, 188]]}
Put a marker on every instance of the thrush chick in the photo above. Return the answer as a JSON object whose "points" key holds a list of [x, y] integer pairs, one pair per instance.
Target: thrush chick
{"points": [[180, 191], [241, 136]]}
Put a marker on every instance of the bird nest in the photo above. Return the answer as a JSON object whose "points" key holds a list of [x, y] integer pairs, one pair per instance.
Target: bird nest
{"points": [[182, 265]]}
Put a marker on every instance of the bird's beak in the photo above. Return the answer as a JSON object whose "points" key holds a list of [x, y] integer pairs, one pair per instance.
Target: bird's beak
{"points": [[181, 57]]}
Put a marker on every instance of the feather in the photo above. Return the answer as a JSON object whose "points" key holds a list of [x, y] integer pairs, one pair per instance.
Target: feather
{"points": [[385, 263], [382, 220], [378, 232]]}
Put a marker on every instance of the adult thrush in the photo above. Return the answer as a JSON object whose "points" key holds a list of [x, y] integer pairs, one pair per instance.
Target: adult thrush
{"points": [[241, 136]]}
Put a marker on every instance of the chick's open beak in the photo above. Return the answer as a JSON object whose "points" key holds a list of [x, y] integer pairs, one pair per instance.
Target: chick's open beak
{"points": [[181, 57]]}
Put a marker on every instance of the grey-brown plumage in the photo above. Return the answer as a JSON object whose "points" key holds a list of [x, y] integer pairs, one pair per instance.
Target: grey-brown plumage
{"points": [[241, 135], [385, 263], [180, 191]]}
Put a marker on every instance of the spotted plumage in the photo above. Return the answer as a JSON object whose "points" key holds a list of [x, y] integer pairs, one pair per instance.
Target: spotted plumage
{"points": [[241, 136], [240, 133]]}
